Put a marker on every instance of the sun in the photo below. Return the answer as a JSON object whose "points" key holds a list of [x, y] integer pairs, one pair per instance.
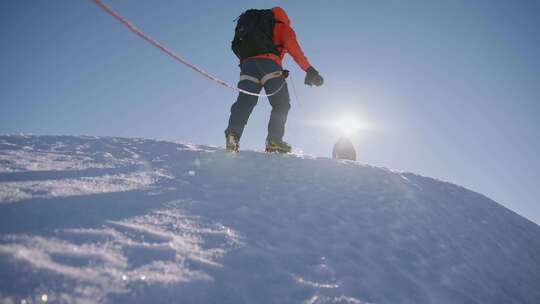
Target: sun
{"points": [[347, 125]]}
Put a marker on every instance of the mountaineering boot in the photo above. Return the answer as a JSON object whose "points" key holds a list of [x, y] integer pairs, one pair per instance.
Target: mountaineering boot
{"points": [[277, 146], [232, 141]]}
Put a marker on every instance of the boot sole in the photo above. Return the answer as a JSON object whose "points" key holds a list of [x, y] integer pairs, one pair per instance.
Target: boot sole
{"points": [[232, 150], [273, 150]]}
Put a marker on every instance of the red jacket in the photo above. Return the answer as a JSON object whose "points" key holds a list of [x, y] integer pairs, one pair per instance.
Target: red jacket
{"points": [[285, 40]]}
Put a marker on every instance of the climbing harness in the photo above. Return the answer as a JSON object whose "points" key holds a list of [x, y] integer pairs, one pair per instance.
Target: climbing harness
{"points": [[175, 56], [264, 79]]}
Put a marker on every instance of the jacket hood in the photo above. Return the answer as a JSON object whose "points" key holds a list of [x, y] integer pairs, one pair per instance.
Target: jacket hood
{"points": [[281, 15]]}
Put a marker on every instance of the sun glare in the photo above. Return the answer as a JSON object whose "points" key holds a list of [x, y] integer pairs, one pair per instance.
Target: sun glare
{"points": [[348, 125]]}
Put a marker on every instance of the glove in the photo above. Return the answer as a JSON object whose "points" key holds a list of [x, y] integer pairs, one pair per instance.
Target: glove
{"points": [[313, 77]]}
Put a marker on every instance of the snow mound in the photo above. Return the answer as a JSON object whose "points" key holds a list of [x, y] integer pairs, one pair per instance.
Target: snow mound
{"points": [[117, 220]]}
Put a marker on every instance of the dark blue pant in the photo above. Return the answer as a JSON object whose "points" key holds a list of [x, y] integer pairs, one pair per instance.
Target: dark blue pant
{"points": [[280, 102]]}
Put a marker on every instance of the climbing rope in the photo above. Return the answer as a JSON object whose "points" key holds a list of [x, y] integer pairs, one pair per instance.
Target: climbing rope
{"points": [[175, 56], [294, 91]]}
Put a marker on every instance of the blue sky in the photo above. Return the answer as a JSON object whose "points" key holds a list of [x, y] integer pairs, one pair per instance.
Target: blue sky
{"points": [[449, 89]]}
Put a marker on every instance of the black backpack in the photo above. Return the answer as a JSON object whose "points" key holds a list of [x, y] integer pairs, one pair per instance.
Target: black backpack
{"points": [[253, 34]]}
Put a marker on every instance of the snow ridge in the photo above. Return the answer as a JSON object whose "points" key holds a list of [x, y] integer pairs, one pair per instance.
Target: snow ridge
{"points": [[119, 220]]}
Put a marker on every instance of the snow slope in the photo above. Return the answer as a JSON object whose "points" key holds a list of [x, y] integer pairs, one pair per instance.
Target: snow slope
{"points": [[115, 220]]}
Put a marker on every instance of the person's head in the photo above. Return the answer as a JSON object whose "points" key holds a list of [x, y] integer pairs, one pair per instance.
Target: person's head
{"points": [[281, 15]]}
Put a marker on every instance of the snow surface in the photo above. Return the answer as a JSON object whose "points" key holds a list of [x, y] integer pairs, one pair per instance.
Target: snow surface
{"points": [[116, 220]]}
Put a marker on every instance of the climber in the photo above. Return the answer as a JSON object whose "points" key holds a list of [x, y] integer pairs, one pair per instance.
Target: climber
{"points": [[262, 38], [344, 149]]}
